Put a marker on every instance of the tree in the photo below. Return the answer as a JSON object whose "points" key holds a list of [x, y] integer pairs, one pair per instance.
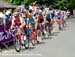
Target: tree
{"points": [[19, 2], [71, 4], [53, 3], [64, 3]]}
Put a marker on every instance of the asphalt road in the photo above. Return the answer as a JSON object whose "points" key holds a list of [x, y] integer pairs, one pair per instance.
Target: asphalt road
{"points": [[61, 44]]}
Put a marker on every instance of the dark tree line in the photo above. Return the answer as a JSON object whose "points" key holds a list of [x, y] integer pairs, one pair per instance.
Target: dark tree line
{"points": [[70, 4]]}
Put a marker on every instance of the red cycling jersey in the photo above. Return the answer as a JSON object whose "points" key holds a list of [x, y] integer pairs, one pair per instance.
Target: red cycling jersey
{"points": [[17, 21]]}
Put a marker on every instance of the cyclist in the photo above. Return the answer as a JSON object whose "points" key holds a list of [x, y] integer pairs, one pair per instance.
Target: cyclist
{"points": [[40, 19], [53, 16], [65, 17], [18, 21], [59, 19], [31, 20], [48, 20]]}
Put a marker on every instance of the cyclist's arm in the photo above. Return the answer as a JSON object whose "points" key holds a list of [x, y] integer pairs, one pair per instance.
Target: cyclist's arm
{"points": [[22, 22]]}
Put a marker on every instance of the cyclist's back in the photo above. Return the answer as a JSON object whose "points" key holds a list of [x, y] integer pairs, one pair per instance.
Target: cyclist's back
{"points": [[48, 17], [40, 17], [17, 20]]}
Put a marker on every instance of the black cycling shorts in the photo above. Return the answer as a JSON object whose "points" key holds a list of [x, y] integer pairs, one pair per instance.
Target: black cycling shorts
{"points": [[49, 20], [41, 20]]}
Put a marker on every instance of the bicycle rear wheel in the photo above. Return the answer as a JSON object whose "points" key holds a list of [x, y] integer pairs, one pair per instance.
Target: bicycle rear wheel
{"points": [[41, 34], [32, 41]]}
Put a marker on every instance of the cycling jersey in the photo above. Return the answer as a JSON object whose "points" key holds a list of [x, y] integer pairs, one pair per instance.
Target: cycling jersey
{"points": [[19, 21], [28, 32], [32, 21], [59, 16], [40, 18], [53, 14], [48, 17]]}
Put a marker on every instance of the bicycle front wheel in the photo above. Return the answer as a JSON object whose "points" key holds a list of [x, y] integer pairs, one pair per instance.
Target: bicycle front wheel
{"points": [[17, 44], [27, 43]]}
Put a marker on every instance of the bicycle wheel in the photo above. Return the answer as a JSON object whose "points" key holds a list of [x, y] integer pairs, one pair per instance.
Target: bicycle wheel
{"points": [[26, 43], [33, 38], [64, 23], [32, 41], [41, 34], [17, 44], [47, 29]]}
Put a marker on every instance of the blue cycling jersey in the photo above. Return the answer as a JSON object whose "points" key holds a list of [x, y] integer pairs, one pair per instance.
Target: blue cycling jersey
{"points": [[28, 31], [48, 16], [31, 20]]}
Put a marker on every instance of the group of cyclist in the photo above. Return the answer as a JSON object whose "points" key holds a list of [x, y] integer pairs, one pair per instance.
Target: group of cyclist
{"points": [[33, 17]]}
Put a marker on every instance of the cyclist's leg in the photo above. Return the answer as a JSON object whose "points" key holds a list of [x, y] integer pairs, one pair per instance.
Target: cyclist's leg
{"points": [[34, 34], [19, 34], [51, 24], [60, 24], [39, 29]]}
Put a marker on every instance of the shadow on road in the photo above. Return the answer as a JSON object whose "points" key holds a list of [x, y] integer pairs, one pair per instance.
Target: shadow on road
{"points": [[55, 33], [49, 37]]}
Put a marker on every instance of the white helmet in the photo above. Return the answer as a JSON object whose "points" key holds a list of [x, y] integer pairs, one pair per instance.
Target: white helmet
{"points": [[40, 11], [15, 13]]}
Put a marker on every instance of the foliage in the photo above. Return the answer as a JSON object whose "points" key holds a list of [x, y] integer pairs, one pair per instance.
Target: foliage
{"points": [[52, 3]]}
